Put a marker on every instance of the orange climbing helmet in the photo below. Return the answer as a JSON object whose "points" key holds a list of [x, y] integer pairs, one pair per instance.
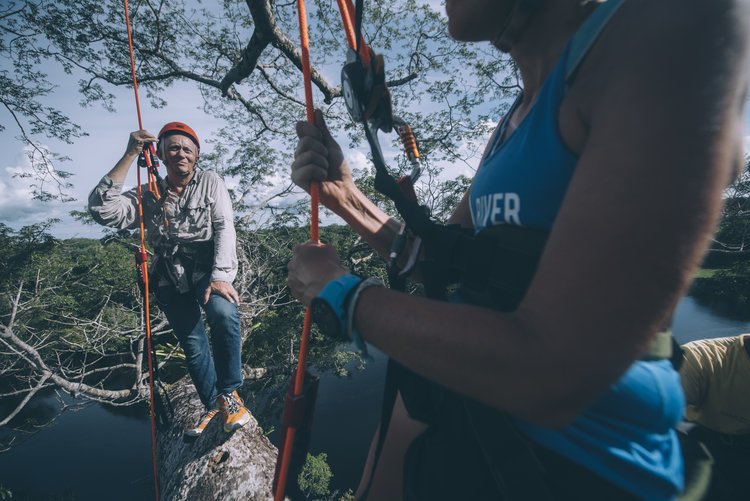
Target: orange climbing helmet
{"points": [[179, 128]]}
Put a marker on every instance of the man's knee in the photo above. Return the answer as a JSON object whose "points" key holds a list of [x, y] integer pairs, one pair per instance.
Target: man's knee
{"points": [[221, 310]]}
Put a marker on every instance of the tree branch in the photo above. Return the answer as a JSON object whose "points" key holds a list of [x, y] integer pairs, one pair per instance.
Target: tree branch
{"points": [[25, 400], [268, 32]]}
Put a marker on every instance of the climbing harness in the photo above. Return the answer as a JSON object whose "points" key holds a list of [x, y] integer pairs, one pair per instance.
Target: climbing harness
{"points": [[147, 160]]}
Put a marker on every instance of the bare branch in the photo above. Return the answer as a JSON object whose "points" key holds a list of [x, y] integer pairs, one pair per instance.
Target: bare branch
{"points": [[268, 32], [22, 403]]}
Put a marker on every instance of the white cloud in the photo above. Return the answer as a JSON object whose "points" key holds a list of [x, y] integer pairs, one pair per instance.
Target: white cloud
{"points": [[17, 205], [357, 160], [19, 208]]}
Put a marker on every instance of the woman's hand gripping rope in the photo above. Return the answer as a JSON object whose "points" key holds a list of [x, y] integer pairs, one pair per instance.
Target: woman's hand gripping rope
{"points": [[319, 158], [311, 268]]}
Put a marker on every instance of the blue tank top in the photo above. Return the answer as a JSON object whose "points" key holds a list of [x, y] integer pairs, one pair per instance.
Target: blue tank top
{"points": [[627, 436]]}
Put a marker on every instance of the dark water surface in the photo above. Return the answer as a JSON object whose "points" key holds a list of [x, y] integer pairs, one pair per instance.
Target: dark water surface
{"points": [[92, 453], [97, 453]]}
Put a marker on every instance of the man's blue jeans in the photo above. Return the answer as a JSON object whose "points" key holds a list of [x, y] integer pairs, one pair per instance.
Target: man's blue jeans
{"points": [[212, 375]]}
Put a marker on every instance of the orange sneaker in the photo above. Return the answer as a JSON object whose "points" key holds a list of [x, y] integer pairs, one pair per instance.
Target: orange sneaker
{"points": [[235, 413], [205, 418]]}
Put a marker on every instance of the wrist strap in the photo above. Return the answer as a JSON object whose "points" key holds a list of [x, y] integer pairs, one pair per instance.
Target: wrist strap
{"points": [[351, 306], [335, 294]]}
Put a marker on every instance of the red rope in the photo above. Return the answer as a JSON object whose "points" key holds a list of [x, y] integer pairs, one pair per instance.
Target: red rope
{"points": [[347, 11], [143, 260], [299, 379]]}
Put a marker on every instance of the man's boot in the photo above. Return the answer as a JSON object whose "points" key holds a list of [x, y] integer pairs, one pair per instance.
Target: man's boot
{"points": [[234, 411]]}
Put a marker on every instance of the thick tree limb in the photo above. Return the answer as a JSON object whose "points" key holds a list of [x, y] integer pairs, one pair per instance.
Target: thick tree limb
{"points": [[268, 32], [31, 355], [262, 36], [216, 465]]}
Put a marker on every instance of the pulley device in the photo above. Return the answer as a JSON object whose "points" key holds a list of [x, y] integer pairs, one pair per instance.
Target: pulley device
{"points": [[146, 159], [368, 102]]}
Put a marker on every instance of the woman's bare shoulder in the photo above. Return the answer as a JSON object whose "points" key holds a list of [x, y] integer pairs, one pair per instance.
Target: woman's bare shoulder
{"points": [[670, 35], [668, 56]]}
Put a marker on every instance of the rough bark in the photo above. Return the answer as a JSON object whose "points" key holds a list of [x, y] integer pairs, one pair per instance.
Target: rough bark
{"points": [[216, 465]]}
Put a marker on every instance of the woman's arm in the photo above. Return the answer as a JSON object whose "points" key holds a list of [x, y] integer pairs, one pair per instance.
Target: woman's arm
{"points": [[318, 158], [663, 144]]}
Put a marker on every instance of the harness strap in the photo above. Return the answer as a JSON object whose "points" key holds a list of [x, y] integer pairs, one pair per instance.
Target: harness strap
{"points": [[661, 347], [588, 33], [393, 374], [515, 468]]}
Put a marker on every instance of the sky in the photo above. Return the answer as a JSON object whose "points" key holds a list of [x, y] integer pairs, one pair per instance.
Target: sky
{"points": [[92, 156]]}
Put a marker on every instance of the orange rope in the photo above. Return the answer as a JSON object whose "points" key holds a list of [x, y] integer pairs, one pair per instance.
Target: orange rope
{"points": [[347, 22], [307, 80], [143, 262], [346, 9], [151, 177], [299, 379]]}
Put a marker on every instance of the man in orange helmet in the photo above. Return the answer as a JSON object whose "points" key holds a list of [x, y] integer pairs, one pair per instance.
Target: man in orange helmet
{"points": [[191, 228]]}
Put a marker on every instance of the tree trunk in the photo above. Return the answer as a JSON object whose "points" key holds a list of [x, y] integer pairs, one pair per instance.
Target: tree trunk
{"points": [[216, 465]]}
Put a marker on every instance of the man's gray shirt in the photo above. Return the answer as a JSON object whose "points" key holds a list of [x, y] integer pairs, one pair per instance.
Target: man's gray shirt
{"points": [[202, 213]]}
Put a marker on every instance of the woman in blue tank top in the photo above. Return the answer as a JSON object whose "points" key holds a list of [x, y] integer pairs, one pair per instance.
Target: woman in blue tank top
{"points": [[626, 132]]}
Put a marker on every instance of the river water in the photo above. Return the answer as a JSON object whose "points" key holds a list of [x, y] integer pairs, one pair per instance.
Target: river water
{"points": [[98, 453]]}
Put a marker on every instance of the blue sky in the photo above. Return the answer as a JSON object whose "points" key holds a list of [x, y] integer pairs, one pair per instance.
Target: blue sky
{"points": [[92, 156]]}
